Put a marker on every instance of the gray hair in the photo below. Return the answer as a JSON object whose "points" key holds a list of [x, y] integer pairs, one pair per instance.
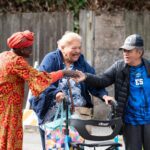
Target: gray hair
{"points": [[140, 48], [67, 38]]}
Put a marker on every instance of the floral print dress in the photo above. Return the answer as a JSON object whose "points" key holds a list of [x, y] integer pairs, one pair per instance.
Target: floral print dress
{"points": [[14, 71]]}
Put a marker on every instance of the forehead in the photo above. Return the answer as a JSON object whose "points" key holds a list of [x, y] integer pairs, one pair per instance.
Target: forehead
{"points": [[74, 43], [130, 51]]}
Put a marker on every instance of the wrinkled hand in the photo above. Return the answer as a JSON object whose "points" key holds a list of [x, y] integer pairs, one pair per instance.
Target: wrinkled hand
{"points": [[108, 99], [70, 73], [80, 76], [60, 96]]}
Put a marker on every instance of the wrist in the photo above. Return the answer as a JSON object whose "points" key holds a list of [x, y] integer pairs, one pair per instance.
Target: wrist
{"points": [[85, 76], [104, 96]]}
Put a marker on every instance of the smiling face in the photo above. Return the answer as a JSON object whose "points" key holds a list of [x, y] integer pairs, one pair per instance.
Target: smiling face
{"points": [[132, 57], [71, 51]]}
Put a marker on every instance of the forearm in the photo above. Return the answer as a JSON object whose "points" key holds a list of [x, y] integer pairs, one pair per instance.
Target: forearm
{"points": [[98, 81], [56, 75], [94, 81]]}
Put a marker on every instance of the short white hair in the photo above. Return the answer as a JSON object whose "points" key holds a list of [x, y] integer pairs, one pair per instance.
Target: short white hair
{"points": [[67, 38]]}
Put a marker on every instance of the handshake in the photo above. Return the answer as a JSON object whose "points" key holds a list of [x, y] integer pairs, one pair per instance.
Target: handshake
{"points": [[77, 75]]}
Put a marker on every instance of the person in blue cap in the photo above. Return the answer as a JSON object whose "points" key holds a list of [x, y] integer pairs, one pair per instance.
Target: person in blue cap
{"points": [[131, 77]]}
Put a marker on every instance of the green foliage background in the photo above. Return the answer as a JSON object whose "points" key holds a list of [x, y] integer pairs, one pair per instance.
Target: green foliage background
{"points": [[72, 5]]}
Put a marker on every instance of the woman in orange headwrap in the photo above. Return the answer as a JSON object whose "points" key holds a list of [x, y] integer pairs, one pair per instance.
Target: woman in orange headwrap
{"points": [[14, 71]]}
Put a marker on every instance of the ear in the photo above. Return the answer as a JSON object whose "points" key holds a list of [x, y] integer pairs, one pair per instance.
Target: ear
{"points": [[62, 48], [141, 52]]}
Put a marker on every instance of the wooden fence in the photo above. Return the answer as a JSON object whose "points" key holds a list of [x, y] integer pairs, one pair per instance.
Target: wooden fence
{"points": [[48, 28], [102, 33]]}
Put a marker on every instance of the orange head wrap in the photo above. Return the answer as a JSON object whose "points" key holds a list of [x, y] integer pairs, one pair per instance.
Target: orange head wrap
{"points": [[21, 39]]}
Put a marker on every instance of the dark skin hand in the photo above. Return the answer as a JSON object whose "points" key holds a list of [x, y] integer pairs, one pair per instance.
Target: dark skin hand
{"points": [[70, 73]]}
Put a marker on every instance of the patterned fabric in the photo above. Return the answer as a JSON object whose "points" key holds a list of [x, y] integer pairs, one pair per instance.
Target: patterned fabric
{"points": [[14, 70], [78, 99], [55, 138]]}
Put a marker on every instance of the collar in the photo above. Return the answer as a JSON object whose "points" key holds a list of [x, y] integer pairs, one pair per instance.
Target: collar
{"points": [[147, 65]]}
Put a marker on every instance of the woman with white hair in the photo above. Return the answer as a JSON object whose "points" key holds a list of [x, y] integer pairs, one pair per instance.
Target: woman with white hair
{"points": [[66, 56]]}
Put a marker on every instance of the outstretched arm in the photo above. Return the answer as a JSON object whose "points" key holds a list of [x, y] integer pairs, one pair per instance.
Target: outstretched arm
{"points": [[102, 81]]}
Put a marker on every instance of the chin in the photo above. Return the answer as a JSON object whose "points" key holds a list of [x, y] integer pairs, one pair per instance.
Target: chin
{"points": [[76, 59], [126, 61], [129, 63]]}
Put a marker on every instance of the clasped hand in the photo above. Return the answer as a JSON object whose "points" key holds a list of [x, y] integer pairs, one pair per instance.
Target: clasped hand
{"points": [[77, 75]]}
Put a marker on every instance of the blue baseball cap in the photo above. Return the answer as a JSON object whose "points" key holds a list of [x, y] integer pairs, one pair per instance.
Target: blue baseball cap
{"points": [[133, 41]]}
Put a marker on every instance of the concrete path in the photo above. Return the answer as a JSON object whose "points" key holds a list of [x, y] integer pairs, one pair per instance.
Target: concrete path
{"points": [[31, 139]]}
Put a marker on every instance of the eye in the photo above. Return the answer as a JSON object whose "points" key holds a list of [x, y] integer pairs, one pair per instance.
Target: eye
{"points": [[76, 48]]}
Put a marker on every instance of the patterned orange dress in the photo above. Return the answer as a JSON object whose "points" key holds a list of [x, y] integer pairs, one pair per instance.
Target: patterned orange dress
{"points": [[14, 71]]}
